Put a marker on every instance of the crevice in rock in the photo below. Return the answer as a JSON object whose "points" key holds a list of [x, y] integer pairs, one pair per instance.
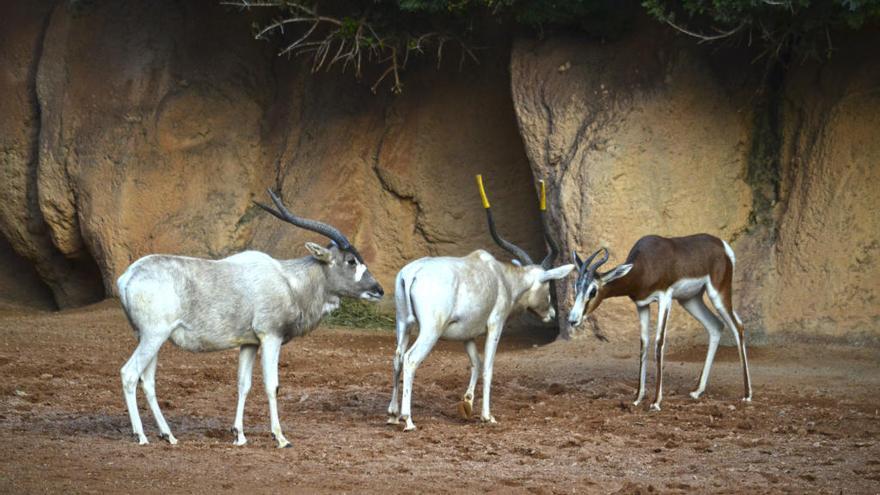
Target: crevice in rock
{"points": [[765, 156], [410, 199], [74, 281]]}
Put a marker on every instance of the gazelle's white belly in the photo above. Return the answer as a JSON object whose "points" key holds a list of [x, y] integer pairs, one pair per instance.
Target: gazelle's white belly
{"points": [[685, 288]]}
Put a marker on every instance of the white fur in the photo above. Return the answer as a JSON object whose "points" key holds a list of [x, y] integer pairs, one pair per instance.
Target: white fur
{"points": [[359, 272], [730, 254], [459, 299]]}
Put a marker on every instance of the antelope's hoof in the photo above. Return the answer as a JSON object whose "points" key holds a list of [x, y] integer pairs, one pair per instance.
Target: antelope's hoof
{"points": [[285, 445], [488, 419], [655, 406], [696, 394], [637, 402], [410, 426], [393, 419], [465, 409], [747, 399], [168, 437]]}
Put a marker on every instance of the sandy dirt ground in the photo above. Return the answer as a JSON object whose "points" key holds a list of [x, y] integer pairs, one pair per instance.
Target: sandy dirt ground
{"points": [[565, 420]]}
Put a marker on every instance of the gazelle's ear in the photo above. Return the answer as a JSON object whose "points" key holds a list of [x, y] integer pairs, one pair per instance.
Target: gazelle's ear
{"points": [[320, 253], [616, 273], [556, 273]]}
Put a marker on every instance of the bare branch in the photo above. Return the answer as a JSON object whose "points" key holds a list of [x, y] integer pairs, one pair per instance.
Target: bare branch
{"points": [[703, 37]]}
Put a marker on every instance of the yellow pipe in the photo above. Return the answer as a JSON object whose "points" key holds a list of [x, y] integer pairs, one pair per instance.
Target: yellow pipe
{"points": [[482, 191], [543, 196]]}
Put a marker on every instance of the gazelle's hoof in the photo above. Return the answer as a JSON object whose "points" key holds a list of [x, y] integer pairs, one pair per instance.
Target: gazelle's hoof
{"points": [[465, 409], [655, 406], [747, 399], [168, 437], [696, 394], [393, 419], [637, 402], [488, 419], [141, 439], [284, 445]]}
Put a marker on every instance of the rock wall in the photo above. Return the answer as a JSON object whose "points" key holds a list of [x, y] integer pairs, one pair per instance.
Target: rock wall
{"points": [[650, 134], [129, 128], [147, 127]]}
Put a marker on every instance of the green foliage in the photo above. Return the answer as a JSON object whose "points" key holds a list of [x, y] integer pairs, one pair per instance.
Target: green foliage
{"points": [[777, 27], [360, 314]]}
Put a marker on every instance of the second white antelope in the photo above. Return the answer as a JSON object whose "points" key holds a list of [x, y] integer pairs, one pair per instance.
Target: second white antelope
{"points": [[462, 299], [660, 269]]}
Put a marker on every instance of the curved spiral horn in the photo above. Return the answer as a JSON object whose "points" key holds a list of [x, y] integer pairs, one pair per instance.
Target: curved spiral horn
{"points": [[513, 249], [282, 213]]}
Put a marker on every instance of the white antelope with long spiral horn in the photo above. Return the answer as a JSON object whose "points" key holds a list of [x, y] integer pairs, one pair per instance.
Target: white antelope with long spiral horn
{"points": [[249, 300], [462, 299]]}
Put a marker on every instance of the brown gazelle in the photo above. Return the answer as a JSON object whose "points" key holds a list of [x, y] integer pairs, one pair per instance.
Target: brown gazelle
{"points": [[662, 269]]}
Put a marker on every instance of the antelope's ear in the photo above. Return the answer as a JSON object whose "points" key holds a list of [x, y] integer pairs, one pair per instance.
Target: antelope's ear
{"points": [[616, 273], [556, 273], [320, 253]]}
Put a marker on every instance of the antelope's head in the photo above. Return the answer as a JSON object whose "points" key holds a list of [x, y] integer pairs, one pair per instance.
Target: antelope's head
{"points": [[589, 284], [347, 274], [538, 298]]}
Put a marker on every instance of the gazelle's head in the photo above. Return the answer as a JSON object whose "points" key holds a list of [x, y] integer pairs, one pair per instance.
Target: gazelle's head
{"points": [[589, 284], [537, 299], [344, 268]]}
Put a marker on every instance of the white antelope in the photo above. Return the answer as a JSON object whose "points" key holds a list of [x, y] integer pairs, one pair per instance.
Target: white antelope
{"points": [[662, 269], [462, 299], [248, 300]]}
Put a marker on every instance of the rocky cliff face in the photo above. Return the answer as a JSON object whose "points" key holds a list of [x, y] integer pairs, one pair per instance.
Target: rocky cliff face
{"points": [[133, 128], [130, 128], [649, 135]]}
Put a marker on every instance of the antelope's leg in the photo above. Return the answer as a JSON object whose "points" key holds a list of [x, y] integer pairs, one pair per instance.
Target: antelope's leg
{"points": [[131, 372], [397, 364], [246, 356], [665, 304], [411, 361], [148, 384], [271, 349], [492, 337], [645, 326], [466, 407], [721, 300], [713, 325]]}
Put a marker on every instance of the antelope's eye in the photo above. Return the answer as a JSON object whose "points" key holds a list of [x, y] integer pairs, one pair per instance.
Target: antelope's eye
{"points": [[351, 261], [592, 292]]}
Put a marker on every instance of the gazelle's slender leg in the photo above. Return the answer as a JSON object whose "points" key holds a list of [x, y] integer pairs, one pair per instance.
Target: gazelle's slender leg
{"points": [[713, 325], [131, 372], [645, 323], [721, 300], [148, 384], [411, 360], [493, 335], [270, 350], [246, 356], [664, 306], [466, 407], [402, 343]]}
